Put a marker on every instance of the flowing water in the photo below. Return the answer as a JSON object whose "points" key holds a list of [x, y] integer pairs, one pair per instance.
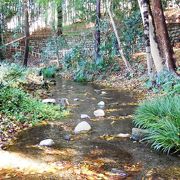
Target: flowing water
{"points": [[98, 154]]}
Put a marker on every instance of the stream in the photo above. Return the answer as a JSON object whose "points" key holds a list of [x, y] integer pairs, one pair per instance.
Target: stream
{"points": [[98, 154]]}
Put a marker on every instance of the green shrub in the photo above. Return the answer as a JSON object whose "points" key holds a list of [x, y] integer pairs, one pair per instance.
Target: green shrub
{"points": [[166, 82], [18, 105], [161, 116], [13, 74], [49, 72]]}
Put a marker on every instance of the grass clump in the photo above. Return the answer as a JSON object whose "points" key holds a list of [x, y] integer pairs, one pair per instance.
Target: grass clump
{"points": [[161, 116], [18, 105]]}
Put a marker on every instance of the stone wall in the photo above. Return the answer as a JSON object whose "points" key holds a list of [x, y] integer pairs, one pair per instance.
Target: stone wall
{"points": [[174, 33]]}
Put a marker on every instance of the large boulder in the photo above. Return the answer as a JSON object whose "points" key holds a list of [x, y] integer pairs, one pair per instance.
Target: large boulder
{"points": [[82, 127], [99, 113], [47, 142], [138, 134]]}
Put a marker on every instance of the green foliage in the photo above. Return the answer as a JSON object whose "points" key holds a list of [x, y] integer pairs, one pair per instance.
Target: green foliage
{"points": [[166, 82], [79, 65], [14, 74], [18, 105], [49, 72], [129, 23], [83, 68], [161, 117], [131, 32]]}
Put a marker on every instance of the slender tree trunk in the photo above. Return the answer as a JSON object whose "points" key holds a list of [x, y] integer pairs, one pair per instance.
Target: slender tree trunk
{"points": [[108, 3], [26, 30], [162, 35], [1, 53], [60, 19], [97, 32], [144, 9]]}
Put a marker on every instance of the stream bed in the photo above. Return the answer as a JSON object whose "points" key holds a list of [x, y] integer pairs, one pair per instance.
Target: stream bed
{"points": [[98, 154]]}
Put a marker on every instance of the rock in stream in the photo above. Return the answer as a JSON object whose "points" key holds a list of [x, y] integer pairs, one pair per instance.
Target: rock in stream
{"points": [[82, 127]]}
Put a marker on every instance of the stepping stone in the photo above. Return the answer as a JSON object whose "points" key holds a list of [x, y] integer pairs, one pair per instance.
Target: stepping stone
{"points": [[101, 103], [122, 135], [51, 101], [82, 127], [47, 142], [99, 113]]}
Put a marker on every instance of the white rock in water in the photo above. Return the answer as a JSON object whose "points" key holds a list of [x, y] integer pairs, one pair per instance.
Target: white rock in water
{"points": [[53, 101], [99, 113], [123, 135], [103, 92], [101, 103], [84, 116], [82, 127], [47, 142]]}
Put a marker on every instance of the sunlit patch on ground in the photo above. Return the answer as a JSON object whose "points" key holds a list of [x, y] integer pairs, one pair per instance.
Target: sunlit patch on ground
{"points": [[21, 163]]}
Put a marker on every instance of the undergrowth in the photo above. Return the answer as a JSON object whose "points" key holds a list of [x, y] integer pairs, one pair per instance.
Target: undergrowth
{"points": [[83, 68], [165, 82], [14, 74], [161, 116], [18, 105], [49, 72]]}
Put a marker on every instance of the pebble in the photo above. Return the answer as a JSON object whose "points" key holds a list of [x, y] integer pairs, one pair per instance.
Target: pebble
{"points": [[85, 116], [67, 137], [118, 172], [103, 92]]}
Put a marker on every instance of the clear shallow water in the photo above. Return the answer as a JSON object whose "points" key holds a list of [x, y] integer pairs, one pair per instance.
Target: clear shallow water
{"points": [[119, 153]]}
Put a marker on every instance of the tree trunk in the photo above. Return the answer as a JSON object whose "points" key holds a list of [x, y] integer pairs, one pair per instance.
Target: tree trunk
{"points": [[155, 51], [144, 9], [60, 19], [1, 35], [97, 32], [26, 30], [162, 35], [108, 3]]}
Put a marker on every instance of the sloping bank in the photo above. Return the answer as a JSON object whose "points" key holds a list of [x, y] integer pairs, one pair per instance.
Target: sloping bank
{"points": [[18, 108]]}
